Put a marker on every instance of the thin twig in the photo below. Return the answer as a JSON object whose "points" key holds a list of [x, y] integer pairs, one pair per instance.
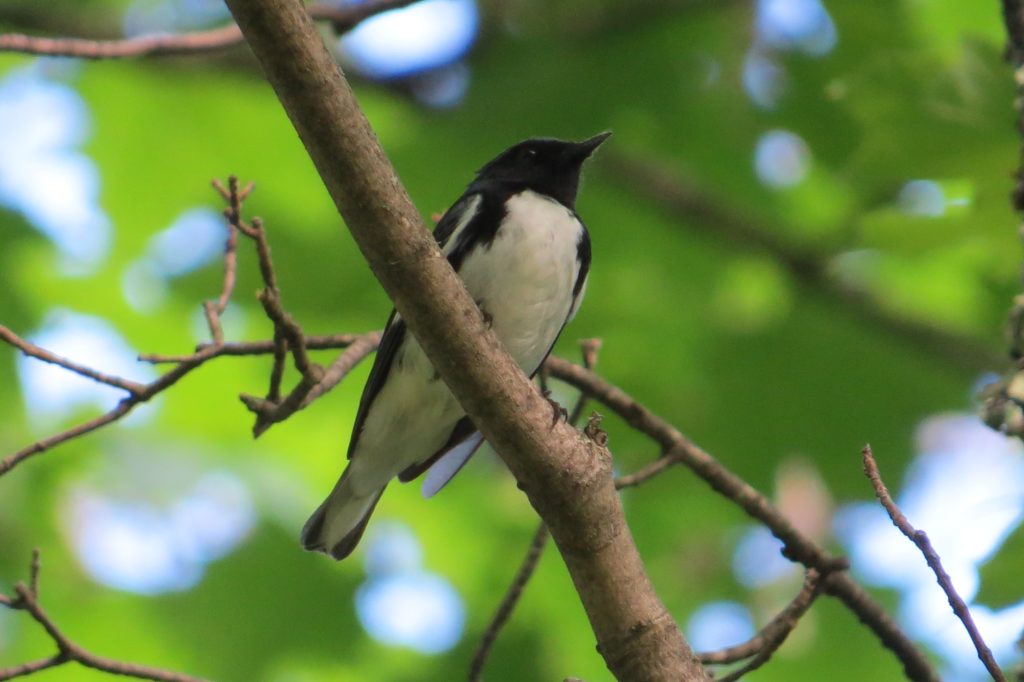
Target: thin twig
{"points": [[33, 351], [287, 334], [358, 349], [32, 667], [277, 368], [288, 328], [343, 19], [508, 602], [763, 645], [646, 472], [33, 573], [184, 364], [920, 539], [26, 599], [214, 309], [249, 348], [588, 349], [44, 444], [797, 547]]}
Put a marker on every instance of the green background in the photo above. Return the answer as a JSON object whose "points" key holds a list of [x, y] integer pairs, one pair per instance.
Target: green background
{"points": [[765, 369]]}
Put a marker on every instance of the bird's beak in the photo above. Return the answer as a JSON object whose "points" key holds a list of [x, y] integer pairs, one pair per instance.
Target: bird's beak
{"points": [[584, 149]]}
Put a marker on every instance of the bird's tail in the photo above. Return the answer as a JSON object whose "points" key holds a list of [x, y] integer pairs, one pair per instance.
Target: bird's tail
{"points": [[337, 524]]}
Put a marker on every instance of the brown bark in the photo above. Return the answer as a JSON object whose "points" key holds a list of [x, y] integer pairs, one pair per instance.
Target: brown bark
{"points": [[566, 476]]}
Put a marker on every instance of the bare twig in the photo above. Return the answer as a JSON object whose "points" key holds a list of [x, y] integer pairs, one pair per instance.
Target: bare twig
{"points": [[588, 350], [26, 598], [508, 602], [771, 636], [33, 573], [214, 309], [248, 348], [277, 369], [314, 382], [288, 335], [920, 539], [33, 351], [646, 472], [343, 18], [796, 546]]}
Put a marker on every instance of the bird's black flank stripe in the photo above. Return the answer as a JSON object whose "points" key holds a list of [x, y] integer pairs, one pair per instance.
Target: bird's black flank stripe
{"points": [[583, 256]]}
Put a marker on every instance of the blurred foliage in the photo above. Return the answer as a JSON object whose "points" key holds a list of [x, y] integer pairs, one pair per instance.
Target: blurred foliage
{"points": [[744, 356]]}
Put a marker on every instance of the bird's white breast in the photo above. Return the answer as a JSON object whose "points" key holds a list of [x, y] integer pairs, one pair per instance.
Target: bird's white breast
{"points": [[524, 280]]}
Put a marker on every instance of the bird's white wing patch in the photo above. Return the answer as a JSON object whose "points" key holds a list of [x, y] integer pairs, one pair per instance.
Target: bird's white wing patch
{"points": [[467, 215], [449, 464]]}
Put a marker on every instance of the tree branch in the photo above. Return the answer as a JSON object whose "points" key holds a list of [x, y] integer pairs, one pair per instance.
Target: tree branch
{"points": [[508, 602], [796, 546], [920, 539], [26, 598], [770, 638], [33, 351], [589, 349], [343, 19], [314, 383], [772, 635], [566, 477]]}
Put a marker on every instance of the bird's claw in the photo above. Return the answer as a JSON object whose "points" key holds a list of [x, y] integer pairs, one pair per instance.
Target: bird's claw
{"points": [[557, 411]]}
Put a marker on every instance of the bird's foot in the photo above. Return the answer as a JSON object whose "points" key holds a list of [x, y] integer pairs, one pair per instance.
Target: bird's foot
{"points": [[557, 411], [488, 318]]}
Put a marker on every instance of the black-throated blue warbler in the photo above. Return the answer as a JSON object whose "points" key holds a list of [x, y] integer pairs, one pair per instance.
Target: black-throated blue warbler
{"points": [[515, 240]]}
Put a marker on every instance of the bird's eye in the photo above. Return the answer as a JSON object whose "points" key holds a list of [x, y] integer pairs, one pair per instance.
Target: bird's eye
{"points": [[528, 154]]}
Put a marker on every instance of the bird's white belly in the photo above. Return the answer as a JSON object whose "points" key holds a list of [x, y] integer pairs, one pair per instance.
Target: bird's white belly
{"points": [[525, 280], [411, 419]]}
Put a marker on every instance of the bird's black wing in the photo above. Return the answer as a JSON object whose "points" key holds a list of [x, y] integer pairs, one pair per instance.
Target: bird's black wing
{"points": [[583, 256], [394, 335], [463, 429], [395, 332]]}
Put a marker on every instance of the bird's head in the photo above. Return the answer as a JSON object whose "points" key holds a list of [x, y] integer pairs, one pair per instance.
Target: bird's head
{"points": [[547, 166]]}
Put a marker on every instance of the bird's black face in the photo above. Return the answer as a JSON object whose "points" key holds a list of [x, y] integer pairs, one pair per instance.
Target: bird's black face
{"points": [[550, 167]]}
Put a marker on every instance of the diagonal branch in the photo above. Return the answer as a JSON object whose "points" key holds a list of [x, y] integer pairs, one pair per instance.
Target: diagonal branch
{"points": [[920, 539], [33, 351], [342, 18], [796, 546], [566, 477]]}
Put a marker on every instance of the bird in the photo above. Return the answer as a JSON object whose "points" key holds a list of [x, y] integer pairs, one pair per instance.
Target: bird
{"points": [[524, 255]]}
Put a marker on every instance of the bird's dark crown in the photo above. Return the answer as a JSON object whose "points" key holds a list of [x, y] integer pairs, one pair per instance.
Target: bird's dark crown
{"points": [[546, 166]]}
